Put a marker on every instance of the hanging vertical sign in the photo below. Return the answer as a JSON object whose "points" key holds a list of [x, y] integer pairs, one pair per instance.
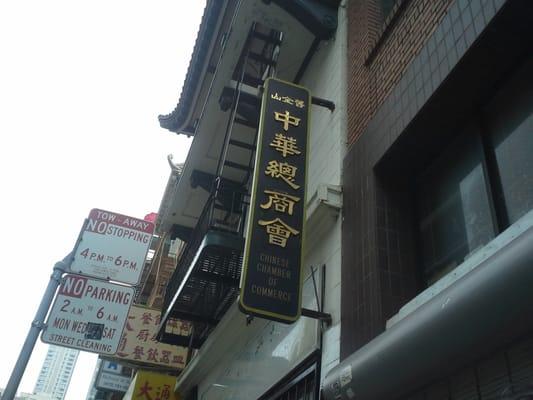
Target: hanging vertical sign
{"points": [[271, 280]]}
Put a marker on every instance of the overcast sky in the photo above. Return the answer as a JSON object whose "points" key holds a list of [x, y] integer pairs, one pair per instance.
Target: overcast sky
{"points": [[81, 85]]}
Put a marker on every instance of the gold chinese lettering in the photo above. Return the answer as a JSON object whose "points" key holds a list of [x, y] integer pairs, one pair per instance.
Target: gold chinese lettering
{"points": [[288, 100], [282, 202], [286, 145], [287, 119], [278, 231], [275, 96], [283, 171]]}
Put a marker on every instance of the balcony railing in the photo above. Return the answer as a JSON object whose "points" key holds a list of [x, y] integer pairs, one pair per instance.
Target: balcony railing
{"points": [[207, 276], [206, 280]]}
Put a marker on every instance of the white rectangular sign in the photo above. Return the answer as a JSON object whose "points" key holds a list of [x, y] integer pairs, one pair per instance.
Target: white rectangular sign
{"points": [[113, 246], [88, 315], [114, 382]]}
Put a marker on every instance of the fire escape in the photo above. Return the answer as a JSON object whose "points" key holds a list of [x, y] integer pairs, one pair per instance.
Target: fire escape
{"points": [[205, 282], [206, 279]]}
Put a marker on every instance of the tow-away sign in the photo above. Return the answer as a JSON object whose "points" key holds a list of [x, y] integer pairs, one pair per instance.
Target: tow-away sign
{"points": [[113, 246], [88, 314]]}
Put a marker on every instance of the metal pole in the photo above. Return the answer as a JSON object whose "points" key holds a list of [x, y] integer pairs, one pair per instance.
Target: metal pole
{"points": [[36, 327]]}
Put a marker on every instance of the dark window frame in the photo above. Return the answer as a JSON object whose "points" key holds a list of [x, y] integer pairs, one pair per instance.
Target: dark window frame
{"points": [[484, 132], [391, 8], [310, 366]]}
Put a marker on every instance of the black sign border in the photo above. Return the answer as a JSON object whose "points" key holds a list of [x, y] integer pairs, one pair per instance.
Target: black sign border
{"points": [[249, 229]]}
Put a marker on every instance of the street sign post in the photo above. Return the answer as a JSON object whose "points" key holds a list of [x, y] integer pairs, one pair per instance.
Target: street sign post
{"points": [[36, 326], [88, 314], [113, 246]]}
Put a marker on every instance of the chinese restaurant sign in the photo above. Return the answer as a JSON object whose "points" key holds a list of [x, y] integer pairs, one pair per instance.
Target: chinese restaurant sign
{"points": [[151, 386], [271, 279], [113, 246], [88, 314], [138, 341]]}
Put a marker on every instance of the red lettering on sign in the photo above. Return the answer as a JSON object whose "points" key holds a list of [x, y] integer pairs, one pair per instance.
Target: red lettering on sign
{"points": [[96, 216], [73, 286]]}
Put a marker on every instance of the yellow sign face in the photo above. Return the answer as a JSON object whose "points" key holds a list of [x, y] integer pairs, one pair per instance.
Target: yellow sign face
{"points": [[138, 340], [151, 386]]}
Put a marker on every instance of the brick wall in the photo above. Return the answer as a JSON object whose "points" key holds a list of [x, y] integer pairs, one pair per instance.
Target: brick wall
{"points": [[411, 80], [379, 50]]}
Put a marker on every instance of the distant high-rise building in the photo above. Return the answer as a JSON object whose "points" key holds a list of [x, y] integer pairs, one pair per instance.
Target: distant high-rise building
{"points": [[33, 396], [91, 394], [56, 372]]}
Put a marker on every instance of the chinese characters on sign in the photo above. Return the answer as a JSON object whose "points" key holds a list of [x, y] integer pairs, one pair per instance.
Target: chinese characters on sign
{"points": [[271, 282], [138, 341], [289, 100], [151, 386]]}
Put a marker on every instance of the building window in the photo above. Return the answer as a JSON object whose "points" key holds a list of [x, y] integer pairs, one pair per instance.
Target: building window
{"points": [[386, 7], [481, 184], [510, 125], [301, 384], [453, 207]]}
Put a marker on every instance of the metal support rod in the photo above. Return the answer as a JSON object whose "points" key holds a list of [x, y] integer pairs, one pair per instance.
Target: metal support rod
{"points": [[320, 314], [318, 301], [325, 317], [317, 101], [323, 288], [307, 59], [36, 327], [190, 347]]}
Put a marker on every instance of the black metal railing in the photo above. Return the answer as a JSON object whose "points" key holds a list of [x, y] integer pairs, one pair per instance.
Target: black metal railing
{"points": [[206, 279], [224, 211]]}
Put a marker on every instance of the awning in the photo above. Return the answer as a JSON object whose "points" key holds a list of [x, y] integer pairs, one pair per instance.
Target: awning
{"points": [[490, 306]]}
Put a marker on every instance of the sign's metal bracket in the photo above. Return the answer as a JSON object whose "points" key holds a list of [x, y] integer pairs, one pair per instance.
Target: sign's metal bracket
{"points": [[317, 101], [322, 316], [38, 324], [190, 350]]}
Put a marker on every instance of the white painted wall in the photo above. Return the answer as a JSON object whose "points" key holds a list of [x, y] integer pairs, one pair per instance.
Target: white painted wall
{"points": [[270, 350], [326, 78]]}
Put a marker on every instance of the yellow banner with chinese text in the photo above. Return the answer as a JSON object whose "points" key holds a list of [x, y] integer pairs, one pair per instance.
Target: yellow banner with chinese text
{"points": [[151, 386]]}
